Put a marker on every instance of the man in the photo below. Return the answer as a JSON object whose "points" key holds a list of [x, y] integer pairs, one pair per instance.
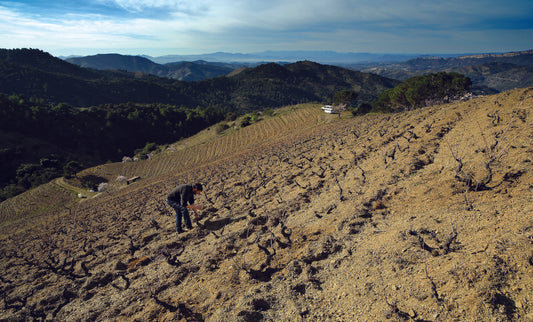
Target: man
{"points": [[178, 199]]}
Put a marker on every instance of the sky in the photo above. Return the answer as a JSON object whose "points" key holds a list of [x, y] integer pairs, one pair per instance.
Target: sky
{"points": [[185, 27]]}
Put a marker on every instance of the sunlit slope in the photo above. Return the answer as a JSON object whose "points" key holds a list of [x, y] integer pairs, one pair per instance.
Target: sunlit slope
{"points": [[372, 218], [205, 147]]}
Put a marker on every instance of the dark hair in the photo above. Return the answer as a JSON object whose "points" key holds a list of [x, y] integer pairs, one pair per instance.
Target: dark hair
{"points": [[198, 186]]}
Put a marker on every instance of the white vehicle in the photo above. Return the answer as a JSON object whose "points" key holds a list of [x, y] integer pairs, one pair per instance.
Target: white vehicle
{"points": [[328, 109]]}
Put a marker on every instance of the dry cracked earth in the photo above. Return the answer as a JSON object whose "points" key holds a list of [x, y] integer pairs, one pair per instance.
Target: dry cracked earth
{"points": [[424, 215]]}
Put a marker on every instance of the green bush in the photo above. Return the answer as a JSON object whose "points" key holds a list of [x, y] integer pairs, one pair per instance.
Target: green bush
{"points": [[245, 121], [11, 190], [221, 127], [255, 117], [362, 109]]}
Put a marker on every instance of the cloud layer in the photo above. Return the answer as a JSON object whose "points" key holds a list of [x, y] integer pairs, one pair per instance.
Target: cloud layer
{"points": [[159, 27]]}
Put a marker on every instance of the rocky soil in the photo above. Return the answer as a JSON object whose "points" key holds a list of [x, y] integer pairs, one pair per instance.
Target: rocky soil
{"points": [[425, 215]]}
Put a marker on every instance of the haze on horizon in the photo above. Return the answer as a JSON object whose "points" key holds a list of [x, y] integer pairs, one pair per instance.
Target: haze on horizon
{"points": [[184, 27]]}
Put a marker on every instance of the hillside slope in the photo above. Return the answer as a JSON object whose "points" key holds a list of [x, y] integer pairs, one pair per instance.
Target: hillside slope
{"points": [[425, 215], [498, 72], [38, 75], [187, 71]]}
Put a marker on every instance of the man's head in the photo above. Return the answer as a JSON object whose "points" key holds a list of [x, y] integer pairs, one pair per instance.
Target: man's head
{"points": [[197, 188]]}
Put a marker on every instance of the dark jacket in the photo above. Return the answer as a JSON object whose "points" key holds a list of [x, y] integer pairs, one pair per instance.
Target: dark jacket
{"points": [[182, 194]]}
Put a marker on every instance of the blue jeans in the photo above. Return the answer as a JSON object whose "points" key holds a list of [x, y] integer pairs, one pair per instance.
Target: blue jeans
{"points": [[181, 211]]}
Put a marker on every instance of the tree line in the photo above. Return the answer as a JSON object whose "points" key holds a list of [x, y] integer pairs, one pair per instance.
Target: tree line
{"points": [[57, 135], [421, 91]]}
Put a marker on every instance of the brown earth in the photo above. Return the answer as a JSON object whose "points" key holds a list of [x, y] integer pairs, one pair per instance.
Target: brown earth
{"points": [[352, 219]]}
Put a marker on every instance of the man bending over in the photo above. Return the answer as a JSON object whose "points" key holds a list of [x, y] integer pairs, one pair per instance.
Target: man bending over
{"points": [[178, 199]]}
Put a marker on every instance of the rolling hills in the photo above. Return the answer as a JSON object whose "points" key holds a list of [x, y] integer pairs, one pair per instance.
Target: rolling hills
{"points": [[489, 72], [423, 215], [52, 109], [186, 71], [37, 74]]}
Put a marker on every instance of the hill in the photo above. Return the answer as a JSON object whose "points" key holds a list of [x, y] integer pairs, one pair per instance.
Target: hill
{"points": [[500, 76], [422, 215], [55, 110], [118, 62], [36, 74], [186, 71], [51, 79], [198, 70], [498, 72]]}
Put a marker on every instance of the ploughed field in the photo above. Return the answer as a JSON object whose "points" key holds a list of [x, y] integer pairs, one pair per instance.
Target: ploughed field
{"points": [[424, 215]]}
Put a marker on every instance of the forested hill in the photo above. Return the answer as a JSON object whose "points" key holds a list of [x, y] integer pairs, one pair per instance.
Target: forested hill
{"points": [[118, 62], [184, 70], [53, 113], [34, 73]]}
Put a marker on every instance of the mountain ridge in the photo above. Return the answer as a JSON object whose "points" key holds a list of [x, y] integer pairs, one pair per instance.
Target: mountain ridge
{"points": [[517, 65], [89, 87], [398, 67], [187, 71]]}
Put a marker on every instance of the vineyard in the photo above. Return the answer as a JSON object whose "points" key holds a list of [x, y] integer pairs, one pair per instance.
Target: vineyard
{"points": [[425, 215], [201, 149]]}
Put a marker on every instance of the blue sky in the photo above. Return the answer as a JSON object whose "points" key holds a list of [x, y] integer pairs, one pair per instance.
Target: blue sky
{"points": [[164, 27]]}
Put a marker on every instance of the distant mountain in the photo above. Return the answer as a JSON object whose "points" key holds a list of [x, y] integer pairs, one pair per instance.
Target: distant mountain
{"points": [[324, 57], [499, 76], [497, 71], [188, 71], [37, 74], [524, 58], [198, 70], [118, 62]]}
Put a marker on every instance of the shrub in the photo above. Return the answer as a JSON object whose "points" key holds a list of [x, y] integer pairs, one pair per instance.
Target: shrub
{"points": [[362, 109], [245, 121], [91, 181], [255, 117], [221, 127], [268, 112]]}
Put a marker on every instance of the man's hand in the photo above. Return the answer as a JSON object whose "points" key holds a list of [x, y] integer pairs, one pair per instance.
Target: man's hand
{"points": [[194, 208]]}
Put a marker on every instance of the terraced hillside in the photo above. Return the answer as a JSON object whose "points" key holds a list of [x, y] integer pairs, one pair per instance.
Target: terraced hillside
{"points": [[424, 215]]}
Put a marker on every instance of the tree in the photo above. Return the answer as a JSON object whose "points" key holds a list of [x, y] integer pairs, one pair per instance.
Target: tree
{"points": [[347, 97], [362, 109], [71, 168], [420, 91]]}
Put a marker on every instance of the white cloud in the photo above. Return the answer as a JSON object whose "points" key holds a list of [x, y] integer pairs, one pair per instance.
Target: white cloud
{"points": [[254, 25], [138, 6]]}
